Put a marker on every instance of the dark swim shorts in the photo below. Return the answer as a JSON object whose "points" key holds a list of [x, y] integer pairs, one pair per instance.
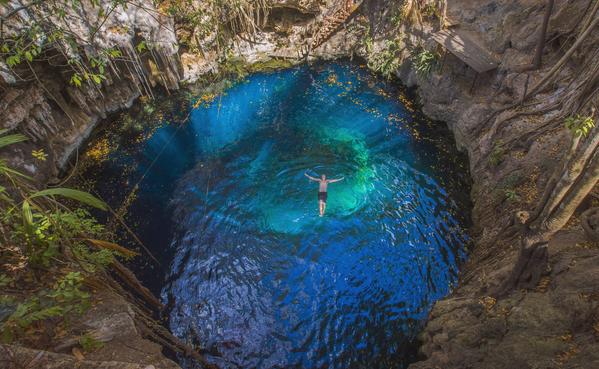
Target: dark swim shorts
{"points": [[322, 196]]}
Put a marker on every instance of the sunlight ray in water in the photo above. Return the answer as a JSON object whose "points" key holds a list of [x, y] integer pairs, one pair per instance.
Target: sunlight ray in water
{"points": [[257, 277]]}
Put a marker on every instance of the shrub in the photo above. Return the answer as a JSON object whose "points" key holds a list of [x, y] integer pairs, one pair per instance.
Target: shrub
{"points": [[511, 195], [44, 250], [424, 61], [89, 343], [386, 61]]}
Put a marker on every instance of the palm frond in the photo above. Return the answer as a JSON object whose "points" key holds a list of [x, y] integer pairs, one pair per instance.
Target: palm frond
{"points": [[76, 195]]}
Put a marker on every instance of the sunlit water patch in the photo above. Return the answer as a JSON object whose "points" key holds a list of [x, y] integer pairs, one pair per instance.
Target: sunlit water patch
{"points": [[252, 274]]}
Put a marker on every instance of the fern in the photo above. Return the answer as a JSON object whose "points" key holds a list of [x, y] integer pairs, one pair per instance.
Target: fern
{"points": [[580, 126]]}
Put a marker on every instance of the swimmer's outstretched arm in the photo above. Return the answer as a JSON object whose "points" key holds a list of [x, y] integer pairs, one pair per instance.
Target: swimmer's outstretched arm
{"points": [[312, 178], [336, 180]]}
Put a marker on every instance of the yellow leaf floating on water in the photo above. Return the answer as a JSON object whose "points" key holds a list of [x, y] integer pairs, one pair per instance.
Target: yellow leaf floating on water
{"points": [[204, 100], [99, 152]]}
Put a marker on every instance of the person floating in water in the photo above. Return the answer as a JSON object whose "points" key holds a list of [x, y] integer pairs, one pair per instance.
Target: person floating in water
{"points": [[323, 182]]}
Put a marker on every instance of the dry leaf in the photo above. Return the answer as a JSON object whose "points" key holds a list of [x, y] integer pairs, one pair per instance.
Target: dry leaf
{"points": [[77, 353]]}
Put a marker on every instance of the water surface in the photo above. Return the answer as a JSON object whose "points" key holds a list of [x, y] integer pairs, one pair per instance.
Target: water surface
{"points": [[251, 273]]}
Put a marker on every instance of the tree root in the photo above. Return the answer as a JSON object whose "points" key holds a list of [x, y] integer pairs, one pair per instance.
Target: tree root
{"points": [[131, 280], [531, 266], [156, 332]]}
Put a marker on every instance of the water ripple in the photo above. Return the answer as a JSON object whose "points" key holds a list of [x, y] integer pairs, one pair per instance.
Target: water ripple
{"points": [[257, 279], [260, 278]]}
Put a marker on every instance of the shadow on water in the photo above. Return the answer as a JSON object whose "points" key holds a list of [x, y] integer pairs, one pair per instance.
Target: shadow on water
{"points": [[250, 272]]}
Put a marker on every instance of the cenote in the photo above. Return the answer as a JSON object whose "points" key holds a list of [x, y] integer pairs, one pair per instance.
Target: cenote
{"points": [[248, 270]]}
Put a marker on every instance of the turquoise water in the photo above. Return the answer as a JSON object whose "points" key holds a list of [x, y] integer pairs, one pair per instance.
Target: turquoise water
{"points": [[250, 273]]}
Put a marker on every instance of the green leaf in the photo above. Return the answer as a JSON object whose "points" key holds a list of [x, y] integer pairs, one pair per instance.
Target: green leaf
{"points": [[114, 53], [76, 80], [27, 217], [141, 46], [7, 171], [77, 195], [13, 60], [11, 139]]}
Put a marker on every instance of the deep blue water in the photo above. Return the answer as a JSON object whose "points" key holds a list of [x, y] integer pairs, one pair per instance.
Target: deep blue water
{"points": [[250, 272]]}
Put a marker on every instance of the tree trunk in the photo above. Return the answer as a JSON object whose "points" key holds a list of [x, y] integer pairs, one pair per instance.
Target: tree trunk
{"points": [[543, 35], [578, 177], [559, 215], [549, 75], [575, 167]]}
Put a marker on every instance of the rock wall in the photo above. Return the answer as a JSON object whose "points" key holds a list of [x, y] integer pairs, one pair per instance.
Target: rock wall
{"points": [[57, 116], [554, 325], [113, 322]]}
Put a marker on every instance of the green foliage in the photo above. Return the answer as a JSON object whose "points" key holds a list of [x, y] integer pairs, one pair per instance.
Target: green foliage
{"points": [[89, 343], [77, 195], [238, 68], [269, 65], [131, 127], [369, 43], [397, 18], [424, 61], [68, 294], [4, 280], [498, 154], [580, 126], [10, 139], [234, 66], [430, 10], [148, 108], [413, 11], [48, 238], [65, 298], [43, 37], [141, 47], [511, 195], [386, 61], [76, 79], [43, 234]]}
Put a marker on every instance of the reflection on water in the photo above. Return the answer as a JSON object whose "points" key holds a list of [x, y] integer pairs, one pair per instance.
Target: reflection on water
{"points": [[257, 278]]}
